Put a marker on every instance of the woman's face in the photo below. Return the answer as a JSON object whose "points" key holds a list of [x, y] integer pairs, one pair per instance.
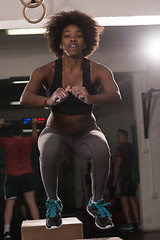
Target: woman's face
{"points": [[72, 41]]}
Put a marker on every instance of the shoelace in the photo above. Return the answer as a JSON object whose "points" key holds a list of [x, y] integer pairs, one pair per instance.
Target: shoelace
{"points": [[101, 208], [53, 207]]}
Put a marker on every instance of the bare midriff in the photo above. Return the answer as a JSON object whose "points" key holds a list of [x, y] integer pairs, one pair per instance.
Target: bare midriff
{"points": [[71, 124]]}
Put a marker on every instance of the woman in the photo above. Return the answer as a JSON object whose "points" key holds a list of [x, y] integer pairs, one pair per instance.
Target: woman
{"points": [[72, 82]]}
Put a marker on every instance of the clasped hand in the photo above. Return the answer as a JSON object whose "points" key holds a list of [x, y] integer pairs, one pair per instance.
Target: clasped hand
{"points": [[61, 94]]}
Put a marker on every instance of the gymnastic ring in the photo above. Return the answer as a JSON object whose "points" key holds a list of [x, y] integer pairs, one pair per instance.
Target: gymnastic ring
{"points": [[30, 4], [34, 21]]}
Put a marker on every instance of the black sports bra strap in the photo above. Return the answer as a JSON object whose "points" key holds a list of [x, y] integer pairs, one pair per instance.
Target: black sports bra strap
{"points": [[86, 76], [86, 72], [58, 73], [57, 82]]}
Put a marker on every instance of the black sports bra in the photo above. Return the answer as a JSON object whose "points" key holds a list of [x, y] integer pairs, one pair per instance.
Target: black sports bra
{"points": [[72, 105]]}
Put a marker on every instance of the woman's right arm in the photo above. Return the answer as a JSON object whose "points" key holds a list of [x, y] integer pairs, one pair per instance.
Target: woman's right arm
{"points": [[30, 96], [40, 77]]}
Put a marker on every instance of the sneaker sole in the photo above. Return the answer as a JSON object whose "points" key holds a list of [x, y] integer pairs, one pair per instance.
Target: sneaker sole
{"points": [[53, 227], [127, 229], [108, 226]]}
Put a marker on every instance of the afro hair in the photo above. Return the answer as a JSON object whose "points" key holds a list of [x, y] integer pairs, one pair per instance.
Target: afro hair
{"points": [[90, 28]]}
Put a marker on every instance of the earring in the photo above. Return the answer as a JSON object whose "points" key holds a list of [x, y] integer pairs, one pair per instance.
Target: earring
{"points": [[60, 47]]}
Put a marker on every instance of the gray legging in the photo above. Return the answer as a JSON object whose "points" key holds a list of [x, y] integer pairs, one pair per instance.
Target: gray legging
{"points": [[55, 147]]}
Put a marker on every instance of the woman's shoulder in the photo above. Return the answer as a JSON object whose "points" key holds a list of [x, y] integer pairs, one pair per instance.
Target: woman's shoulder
{"points": [[44, 71], [99, 68], [46, 68]]}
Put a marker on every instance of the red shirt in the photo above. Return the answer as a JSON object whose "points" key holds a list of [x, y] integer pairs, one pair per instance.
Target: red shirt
{"points": [[18, 154]]}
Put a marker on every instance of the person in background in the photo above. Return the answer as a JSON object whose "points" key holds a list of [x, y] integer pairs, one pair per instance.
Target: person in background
{"points": [[2, 173], [123, 177], [72, 82], [19, 176]]}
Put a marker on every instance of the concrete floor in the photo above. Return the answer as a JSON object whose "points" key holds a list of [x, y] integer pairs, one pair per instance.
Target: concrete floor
{"points": [[90, 230]]}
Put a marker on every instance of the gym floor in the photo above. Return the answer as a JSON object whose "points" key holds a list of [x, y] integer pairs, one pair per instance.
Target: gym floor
{"points": [[90, 230]]}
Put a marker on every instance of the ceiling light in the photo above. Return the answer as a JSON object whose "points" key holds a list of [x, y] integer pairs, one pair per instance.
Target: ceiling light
{"points": [[20, 82], [103, 21], [153, 48], [27, 31], [29, 130], [128, 20], [14, 103]]}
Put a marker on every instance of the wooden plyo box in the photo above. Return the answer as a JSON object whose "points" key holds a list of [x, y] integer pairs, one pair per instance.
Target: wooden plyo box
{"points": [[111, 238], [71, 228]]}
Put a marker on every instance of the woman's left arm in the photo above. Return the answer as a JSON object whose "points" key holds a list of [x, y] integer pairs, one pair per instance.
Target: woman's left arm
{"points": [[100, 76], [111, 93]]}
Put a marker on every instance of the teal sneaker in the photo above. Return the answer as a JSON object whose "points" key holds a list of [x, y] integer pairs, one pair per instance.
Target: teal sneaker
{"points": [[7, 236], [53, 214], [98, 211], [127, 227], [137, 226]]}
